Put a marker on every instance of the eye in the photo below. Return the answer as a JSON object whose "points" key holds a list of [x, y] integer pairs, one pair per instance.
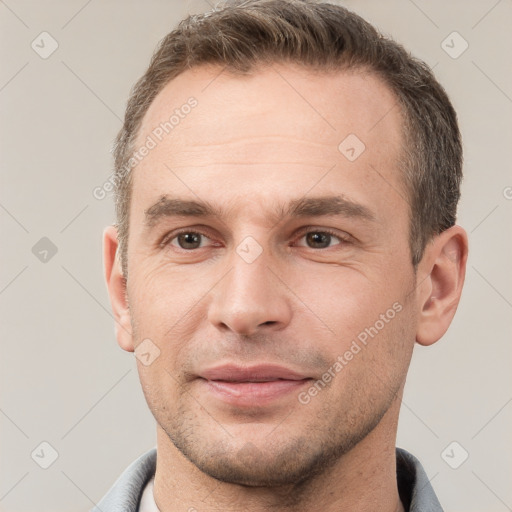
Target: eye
{"points": [[185, 240], [321, 239]]}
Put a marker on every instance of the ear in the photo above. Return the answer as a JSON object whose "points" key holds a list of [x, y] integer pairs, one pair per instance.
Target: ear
{"points": [[441, 274], [116, 285]]}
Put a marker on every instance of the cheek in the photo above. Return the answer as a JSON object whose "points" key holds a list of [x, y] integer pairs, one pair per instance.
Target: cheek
{"points": [[346, 299], [158, 383], [370, 325], [169, 307], [162, 296]]}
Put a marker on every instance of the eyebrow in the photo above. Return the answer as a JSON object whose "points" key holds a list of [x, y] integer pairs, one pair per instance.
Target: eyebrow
{"points": [[304, 207]]}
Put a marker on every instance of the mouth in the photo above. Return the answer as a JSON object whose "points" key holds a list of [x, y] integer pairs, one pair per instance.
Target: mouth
{"points": [[251, 386]]}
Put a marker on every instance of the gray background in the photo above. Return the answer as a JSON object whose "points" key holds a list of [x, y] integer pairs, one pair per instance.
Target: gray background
{"points": [[64, 379]]}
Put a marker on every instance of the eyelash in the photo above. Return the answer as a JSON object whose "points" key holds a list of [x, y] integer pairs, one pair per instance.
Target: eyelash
{"points": [[169, 238]]}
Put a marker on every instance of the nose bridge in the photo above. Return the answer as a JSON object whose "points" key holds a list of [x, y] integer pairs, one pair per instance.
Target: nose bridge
{"points": [[250, 297]]}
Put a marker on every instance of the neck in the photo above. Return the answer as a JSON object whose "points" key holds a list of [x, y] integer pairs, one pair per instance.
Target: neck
{"points": [[362, 480]]}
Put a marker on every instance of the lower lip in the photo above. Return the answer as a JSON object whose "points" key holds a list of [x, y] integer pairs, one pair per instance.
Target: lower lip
{"points": [[252, 393]]}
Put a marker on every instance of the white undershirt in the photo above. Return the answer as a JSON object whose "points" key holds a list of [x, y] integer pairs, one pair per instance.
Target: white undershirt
{"points": [[147, 501]]}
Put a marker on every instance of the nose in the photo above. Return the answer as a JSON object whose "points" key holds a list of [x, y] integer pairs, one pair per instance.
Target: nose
{"points": [[250, 298]]}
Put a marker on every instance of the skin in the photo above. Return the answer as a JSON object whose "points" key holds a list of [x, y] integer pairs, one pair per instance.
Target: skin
{"points": [[251, 143]]}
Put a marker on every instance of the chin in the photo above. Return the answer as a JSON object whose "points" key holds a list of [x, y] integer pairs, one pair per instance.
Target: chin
{"points": [[292, 462]]}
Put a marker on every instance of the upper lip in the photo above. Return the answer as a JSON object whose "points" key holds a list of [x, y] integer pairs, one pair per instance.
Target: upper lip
{"points": [[256, 373]]}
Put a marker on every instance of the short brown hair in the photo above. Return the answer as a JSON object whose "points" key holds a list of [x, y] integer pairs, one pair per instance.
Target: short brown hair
{"points": [[323, 37]]}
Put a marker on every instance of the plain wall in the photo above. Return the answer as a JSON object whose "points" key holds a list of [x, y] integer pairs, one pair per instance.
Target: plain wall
{"points": [[64, 379]]}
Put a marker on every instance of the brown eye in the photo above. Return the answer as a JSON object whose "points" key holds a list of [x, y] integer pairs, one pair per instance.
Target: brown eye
{"points": [[318, 240], [322, 239], [189, 240], [185, 240]]}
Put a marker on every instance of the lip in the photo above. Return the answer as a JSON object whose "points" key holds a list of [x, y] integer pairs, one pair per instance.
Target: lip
{"points": [[256, 373], [251, 386]]}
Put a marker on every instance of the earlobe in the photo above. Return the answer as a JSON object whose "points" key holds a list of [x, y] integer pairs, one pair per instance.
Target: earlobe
{"points": [[441, 273], [116, 286]]}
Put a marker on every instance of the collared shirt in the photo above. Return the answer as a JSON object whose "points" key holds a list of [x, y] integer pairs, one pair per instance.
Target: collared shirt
{"points": [[147, 501], [133, 490]]}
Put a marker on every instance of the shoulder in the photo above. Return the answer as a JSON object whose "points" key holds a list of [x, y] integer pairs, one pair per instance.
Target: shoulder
{"points": [[124, 495], [414, 487]]}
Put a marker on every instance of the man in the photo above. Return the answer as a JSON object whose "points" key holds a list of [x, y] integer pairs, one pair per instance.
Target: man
{"points": [[287, 183]]}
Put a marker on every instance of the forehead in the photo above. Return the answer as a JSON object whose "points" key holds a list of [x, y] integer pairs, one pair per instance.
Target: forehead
{"points": [[330, 102], [282, 124]]}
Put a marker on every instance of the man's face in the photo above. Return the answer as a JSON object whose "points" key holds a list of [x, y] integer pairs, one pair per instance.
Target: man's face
{"points": [[258, 287]]}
